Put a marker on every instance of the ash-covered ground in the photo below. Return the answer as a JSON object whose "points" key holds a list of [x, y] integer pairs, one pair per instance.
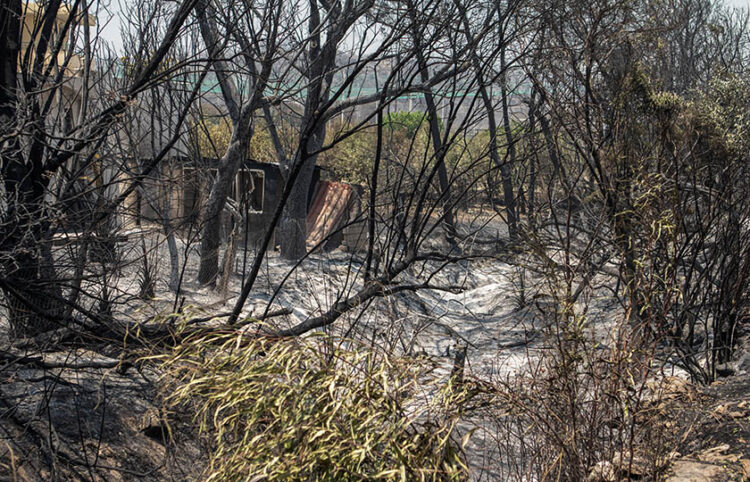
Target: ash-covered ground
{"points": [[105, 420]]}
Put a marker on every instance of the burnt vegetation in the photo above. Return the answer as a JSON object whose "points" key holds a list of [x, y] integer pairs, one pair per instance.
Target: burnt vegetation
{"points": [[334, 240]]}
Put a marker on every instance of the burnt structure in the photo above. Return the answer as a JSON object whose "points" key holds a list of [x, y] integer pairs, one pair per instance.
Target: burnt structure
{"points": [[181, 188]]}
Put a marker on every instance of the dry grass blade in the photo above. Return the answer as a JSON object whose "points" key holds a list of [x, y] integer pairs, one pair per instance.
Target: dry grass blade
{"points": [[314, 409]]}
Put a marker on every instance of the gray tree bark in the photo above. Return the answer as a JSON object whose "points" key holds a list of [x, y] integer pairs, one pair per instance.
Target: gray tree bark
{"points": [[220, 190], [322, 60], [242, 129]]}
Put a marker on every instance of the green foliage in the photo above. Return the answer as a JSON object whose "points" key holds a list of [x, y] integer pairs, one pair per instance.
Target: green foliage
{"points": [[409, 123], [261, 145], [720, 116], [320, 408], [679, 186], [351, 158], [213, 136], [637, 90], [665, 102]]}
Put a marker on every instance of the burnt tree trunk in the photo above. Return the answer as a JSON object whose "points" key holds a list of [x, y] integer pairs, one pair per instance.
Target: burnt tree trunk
{"points": [[220, 190], [242, 129], [29, 285], [293, 229], [505, 169], [322, 61]]}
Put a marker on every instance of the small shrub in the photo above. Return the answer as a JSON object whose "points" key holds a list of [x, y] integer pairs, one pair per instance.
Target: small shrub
{"points": [[582, 404]]}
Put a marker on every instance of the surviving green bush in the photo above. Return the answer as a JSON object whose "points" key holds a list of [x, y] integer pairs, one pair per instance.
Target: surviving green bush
{"points": [[409, 123], [314, 409]]}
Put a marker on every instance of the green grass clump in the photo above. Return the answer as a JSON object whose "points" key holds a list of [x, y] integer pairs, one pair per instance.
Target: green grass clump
{"points": [[317, 408]]}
